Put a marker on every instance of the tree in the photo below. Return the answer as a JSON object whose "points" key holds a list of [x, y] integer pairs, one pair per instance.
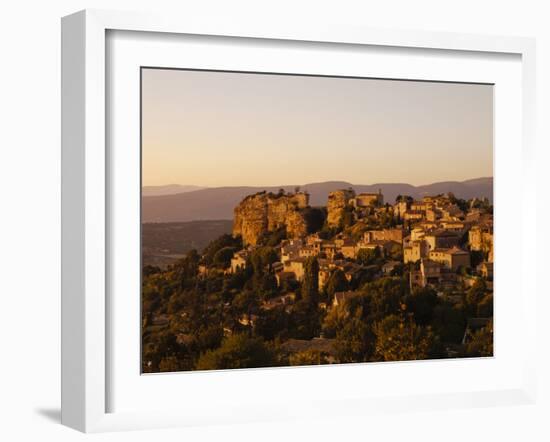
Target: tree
{"points": [[348, 217], [368, 256], [307, 357], [385, 296], [149, 270], [485, 307], [422, 304], [237, 351], [272, 238], [337, 282], [404, 198], [315, 218], [449, 322], [310, 284], [474, 296], [476, 258], [222, 258], [246, 303], [272, 324], [354, 341], [185, 269], [481, 344], [225, 240], [400, 339]]}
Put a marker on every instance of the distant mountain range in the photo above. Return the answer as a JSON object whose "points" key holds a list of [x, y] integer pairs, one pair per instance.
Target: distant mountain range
{"points": [[218, 202], [169, 189]]}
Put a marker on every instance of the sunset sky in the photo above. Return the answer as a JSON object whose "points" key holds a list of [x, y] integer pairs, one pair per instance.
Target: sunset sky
{"points": [[230, 129]]}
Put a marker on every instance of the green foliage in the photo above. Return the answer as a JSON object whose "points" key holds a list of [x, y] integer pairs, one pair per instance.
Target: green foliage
{"points": [[481, 344], [474, 296], [273, 238], [348, 217], [400, 339], [337, 282], [186, 268], [368, 256], [272, 324], [222, 258], [315, 218], [328, 232], [485, 307], [422, 304], [449, 322], [476, 258], [307, 357], [310, 284], [354, 341], [404, 198], [263, 257], [237, 351], [223, 241], [304, 320], [149, 270], [385, 296]]}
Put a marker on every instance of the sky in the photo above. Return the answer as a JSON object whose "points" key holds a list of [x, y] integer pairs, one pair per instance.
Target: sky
{"points": [[246, 129]]}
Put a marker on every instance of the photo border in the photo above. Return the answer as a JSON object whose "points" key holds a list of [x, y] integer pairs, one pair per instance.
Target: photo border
{"points": [[85, 200]]}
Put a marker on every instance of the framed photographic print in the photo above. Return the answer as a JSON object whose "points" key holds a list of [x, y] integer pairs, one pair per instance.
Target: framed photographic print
{"points": [[250, 214]]}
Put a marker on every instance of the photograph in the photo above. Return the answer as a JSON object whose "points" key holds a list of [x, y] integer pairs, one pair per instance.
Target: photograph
{"points": [[299, 220]]}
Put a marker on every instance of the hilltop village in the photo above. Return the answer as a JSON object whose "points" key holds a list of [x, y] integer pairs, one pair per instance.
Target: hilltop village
{"points": [[434, 233], [357, 280]]}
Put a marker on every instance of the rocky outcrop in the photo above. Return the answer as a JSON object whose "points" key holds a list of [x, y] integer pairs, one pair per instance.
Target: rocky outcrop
{"points": [[337, 202], [266, 212]]}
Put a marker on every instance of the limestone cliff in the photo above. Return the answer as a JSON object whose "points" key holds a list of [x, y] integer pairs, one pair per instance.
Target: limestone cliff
{"points": [[266, 212], [337, 202]]}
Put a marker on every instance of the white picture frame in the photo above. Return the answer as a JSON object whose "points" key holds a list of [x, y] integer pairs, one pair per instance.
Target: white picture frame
{"points": [[85, 210]]}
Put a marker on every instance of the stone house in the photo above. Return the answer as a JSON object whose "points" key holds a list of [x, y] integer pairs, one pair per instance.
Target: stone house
{"points": [[452, 212], [384, 235], [480, 238], [416, 251], [296, 266], [400, 208], [452, 258], [413, 215], [290, 249], [441, 239], [368, 199], [329, 249], [239, 260], [307, 251]]}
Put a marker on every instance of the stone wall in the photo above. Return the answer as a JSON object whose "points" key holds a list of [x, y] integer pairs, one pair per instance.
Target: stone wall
{"points": [[337, 202]]}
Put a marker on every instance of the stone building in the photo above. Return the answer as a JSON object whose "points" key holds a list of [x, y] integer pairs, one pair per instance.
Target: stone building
{"points": [[452, 258], [413, 215], [415, 251], [290, 249], [480, 238], [239, 260], [441, 239], [296, 266], [384, 235], [368, 199]]}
